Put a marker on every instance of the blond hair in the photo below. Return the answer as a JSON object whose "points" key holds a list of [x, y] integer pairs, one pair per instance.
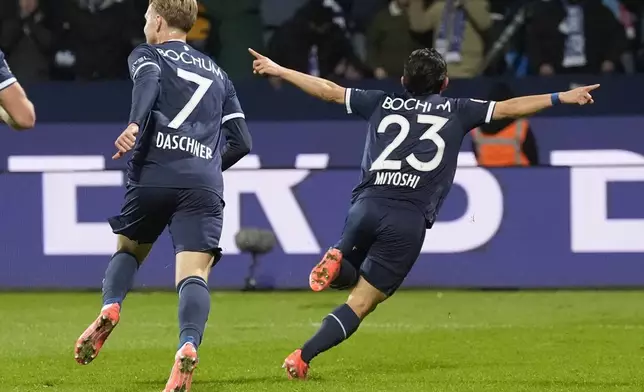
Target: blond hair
{"points": [[180, 14]]}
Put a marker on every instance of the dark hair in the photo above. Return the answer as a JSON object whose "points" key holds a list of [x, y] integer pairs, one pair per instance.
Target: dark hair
{"points": [[425, 72]]}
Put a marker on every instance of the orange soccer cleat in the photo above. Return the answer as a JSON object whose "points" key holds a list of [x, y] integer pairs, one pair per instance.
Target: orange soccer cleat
{"points": [[90, 342], [326, 270], [185, 362], [295, 366]]}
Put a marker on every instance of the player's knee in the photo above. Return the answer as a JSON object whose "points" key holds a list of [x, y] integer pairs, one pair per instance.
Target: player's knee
{"points": [[193, 264], [364, 298], [362, 305], [139, 251]]}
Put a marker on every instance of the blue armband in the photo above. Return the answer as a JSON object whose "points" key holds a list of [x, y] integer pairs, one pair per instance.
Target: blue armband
{"points": [[554, 98]]}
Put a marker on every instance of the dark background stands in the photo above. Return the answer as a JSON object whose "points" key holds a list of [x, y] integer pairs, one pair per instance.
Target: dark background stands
{"points": [[602, 38]]}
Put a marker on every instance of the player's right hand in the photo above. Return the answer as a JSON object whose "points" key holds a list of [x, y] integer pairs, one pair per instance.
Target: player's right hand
{"points": [[126, 141], [262, 65], [579, 95]]}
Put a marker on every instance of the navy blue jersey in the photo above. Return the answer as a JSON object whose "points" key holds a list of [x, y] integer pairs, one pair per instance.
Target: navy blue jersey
{"points": [[412, 144], [6, 77], [179, 144]]}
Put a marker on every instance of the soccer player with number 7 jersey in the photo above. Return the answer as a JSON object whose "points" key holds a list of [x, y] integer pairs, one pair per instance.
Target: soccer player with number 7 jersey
{"points": [[408, 167], [184, 108]]}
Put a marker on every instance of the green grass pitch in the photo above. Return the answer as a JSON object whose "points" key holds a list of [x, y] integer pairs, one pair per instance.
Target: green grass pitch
{"points": [[417, 341]]}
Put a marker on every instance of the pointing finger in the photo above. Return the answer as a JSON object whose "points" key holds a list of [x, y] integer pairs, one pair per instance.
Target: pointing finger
{"points": [[257, 55], [591, 87]]}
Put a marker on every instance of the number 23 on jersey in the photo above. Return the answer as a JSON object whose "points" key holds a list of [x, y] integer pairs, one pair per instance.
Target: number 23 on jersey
{"points": [[436, 123]]}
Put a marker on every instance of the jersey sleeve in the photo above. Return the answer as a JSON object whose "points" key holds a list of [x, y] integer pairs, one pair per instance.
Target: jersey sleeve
{"points": [[362, 102], [474, 112], [141, 57], [145, 72], [232, 108], [6, 77]]}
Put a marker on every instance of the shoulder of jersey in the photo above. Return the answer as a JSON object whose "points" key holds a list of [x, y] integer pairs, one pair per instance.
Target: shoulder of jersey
{"points": [[145, 47]]}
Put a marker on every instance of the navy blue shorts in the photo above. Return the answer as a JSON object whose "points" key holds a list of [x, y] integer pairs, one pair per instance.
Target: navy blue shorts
{"points": [[194, 217], [382, 238]]}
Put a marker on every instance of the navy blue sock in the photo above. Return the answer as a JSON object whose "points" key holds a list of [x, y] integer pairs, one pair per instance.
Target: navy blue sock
{"points": [[347, 278], [194, 307], [336, 327], [119, 277]]}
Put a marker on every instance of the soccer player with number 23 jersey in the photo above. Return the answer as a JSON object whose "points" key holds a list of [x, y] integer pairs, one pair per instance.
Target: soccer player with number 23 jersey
{"points": [[408, 167]]}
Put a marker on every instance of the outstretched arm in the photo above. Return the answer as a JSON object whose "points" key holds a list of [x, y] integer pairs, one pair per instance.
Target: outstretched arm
{"points": [[526, 106], [317, 87]]}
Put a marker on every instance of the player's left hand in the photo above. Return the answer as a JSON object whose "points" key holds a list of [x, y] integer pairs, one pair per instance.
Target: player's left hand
{"points": [[262, 65], [126, 141], [579, 95]]}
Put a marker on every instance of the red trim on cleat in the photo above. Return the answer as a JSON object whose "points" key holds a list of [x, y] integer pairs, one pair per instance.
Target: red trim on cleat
{"points": [[185, 363], [295, 367], [90, 342], [326, 270]]}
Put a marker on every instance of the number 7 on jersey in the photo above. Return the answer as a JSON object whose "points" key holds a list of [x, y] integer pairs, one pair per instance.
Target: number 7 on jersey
{"points": [[203, 86]]}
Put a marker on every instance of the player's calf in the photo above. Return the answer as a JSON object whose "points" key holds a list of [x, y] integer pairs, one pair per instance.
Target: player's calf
{"points": [[119, 277], [192, 273], [123, 266], [194, 308], [193, 269], [336, 327], [364, 298]]}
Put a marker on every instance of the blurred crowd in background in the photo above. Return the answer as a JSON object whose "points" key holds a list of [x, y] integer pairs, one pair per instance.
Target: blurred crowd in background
{"points": [[352, 39]]}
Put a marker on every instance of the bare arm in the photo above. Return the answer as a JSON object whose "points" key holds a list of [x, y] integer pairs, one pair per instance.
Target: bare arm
{"points": [[526, 106], [317, 87], [15, 108]]}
